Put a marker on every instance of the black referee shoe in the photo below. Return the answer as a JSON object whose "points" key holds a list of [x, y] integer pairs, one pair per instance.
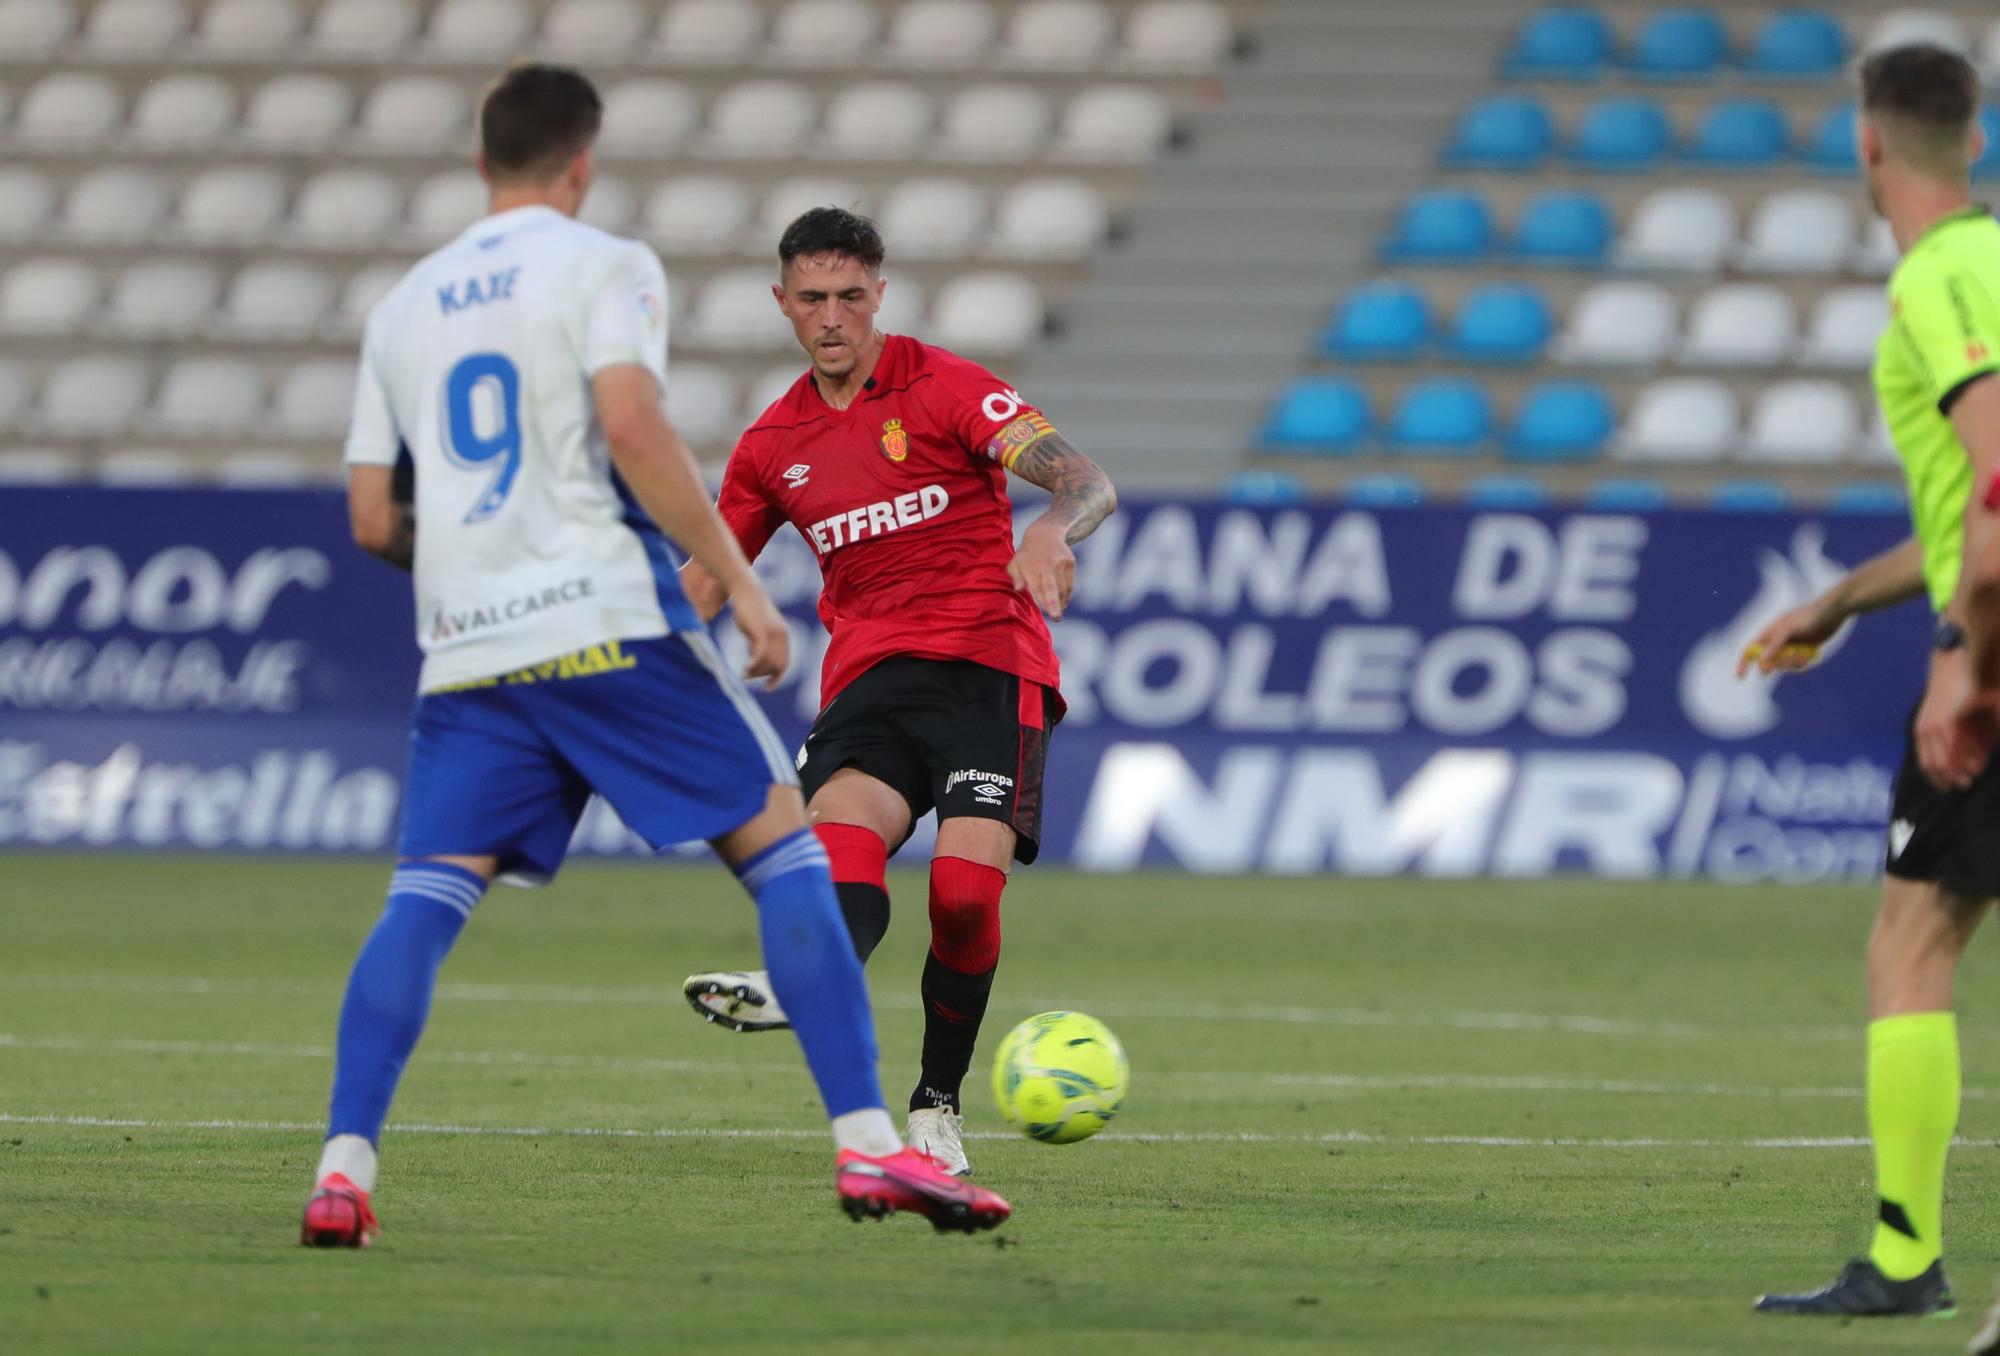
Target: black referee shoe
{"points": [[1862, 1291]]}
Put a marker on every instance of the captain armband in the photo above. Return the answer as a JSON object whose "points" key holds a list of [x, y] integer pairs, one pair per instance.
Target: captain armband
{"points": [[1009, 443]]}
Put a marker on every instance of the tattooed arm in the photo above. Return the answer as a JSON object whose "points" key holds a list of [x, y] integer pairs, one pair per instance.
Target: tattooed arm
{"points": [[383, 528], [1082, 498]]}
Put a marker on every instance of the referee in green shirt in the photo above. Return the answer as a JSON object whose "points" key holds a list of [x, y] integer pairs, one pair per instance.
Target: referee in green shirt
{"points": [[1918, 138]]}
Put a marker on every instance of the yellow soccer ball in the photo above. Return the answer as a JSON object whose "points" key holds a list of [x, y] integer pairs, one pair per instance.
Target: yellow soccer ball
{"points": [[1060, 1076]]}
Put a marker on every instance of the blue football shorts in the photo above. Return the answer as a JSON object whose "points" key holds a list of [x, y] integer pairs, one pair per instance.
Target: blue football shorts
{"points": [[504, 766]]}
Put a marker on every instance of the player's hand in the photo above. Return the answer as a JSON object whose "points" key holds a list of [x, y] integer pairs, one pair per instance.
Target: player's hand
{"points": [[1975, 730], [1045, 567], [1949, 763], [1790, 643], [763, 626]]}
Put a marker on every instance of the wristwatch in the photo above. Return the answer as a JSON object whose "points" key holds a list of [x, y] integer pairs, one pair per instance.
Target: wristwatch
{"points": [[1950, 636]]}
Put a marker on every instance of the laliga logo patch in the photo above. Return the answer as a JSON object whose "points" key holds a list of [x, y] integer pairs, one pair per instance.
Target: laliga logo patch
{"points": [[895, 442]]}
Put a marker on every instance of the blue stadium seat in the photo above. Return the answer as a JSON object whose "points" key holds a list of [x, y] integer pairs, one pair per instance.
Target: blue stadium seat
{"points": [[1679, 44], [1831, 147], [1502, 323], [1989, 159], [1749, 496], [1318, 414], [1627, 496], [1506, 132], [1563, 228], [1442, 416], [1565, 43], [1383, 322], [1870, 498], [1798, 42], [1741, 134], [1383, 491], [1622, 134], [1444, 225], [1561, 421], [1506, 492], [1264, 487]]}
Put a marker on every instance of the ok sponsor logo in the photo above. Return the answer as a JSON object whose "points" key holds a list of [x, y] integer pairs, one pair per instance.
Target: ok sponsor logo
{"points": [[1002, 405]]}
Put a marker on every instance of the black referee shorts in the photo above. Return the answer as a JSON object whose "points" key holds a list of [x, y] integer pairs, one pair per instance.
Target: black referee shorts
{"points": [[1951, 837]]}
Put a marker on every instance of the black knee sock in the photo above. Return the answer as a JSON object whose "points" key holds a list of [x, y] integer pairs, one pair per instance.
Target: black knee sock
{"points": [[866, 908], [954, 1006]]}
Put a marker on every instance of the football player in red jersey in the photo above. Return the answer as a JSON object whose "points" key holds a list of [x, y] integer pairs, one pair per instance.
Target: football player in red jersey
{"points": [[940, 684]]}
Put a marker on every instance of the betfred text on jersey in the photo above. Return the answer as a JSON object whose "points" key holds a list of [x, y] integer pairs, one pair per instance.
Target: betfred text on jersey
{"points": [[882, 516], [448, 624]]}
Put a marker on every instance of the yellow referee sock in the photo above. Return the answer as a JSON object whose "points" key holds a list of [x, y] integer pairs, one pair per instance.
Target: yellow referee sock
{"points": [[1912, 1113]]}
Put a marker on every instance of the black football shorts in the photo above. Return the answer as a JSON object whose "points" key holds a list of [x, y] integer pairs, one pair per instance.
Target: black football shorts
{"points": [[1952, 837]]}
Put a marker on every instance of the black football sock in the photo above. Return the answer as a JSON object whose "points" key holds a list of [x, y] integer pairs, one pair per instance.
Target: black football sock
{"points": [[866, 908], [954, 1006]]}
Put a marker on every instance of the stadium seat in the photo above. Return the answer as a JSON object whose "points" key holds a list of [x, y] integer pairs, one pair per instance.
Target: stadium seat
{"points": [[1877, 447], [697, 214], [791, 197], [1869, 497], [364, 28], [1679, 230], [878, 120], [735, 312], [988, 313], [1740, 325], [1383, 491], [1502, 323], [701, 400], [1114, 124], [1749, 496], [415, 113], [1989, 158], [1621, 134], [212, 397], [1806, 420], [1176, 35], [315, 398], [830, 34], [1798, 231], [1050, 218], [1057, 35], [994, 122], [13, 392], [1563, 228], [768, 389], [92, 397], [645, 117], [31, 30], [1899, 27], [584, 29], [363, 291], [1442, 416], [1877, 254], [69, 109], [1506, 492], [1505, 132], [1830, 149], [48, 297], [1561, 421], [161, 298], [130, 28], [37, 465], [609, 206], [942, 34], [760, 118], [1560, 44], [115, 204], [143, 468], [27, 199], [1989, 49], [1846, 323], [446, 204], [299, 112], [1381, 322], [1318, 414], [1442, 225], [1679, 44], [1263, 489], [1626, 496], [239, 29], [1682, 419], [348, 207], [934, 217], [1619, 324], [478, 30], [904, 307], [232, 203], [180, 112], [271, 471], [1740, 134], [710, 32], [275, 300], [1797, 42]]}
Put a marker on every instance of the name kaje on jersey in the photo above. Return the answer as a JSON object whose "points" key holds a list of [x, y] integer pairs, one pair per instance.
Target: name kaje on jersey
{"points": [[872, 520]]}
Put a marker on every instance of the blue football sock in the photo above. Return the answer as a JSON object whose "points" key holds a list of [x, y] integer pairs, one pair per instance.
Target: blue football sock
{"points": [[389, 993], [814, 971]]}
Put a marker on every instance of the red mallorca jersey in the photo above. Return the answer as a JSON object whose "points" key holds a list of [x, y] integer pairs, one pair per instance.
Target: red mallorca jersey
{"points": [[903, 497]]}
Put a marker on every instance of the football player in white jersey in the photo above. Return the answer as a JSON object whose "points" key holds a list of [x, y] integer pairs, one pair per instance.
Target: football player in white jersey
{"points": [[522, 368]]}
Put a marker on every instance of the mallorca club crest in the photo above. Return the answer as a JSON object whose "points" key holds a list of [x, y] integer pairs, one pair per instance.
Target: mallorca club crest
{"points": [[895, 442]]}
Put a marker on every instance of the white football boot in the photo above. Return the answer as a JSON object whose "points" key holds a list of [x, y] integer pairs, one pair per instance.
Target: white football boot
{"points": [[940, 1133], [738, 999]]}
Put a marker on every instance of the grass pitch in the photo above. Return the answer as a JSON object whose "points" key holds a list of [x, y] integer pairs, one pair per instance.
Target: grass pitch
{"points": [[1365, 1117]]}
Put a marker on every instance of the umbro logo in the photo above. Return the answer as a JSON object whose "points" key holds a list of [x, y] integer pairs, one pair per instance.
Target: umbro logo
{"points": [[796, 476], [1900, 834]]}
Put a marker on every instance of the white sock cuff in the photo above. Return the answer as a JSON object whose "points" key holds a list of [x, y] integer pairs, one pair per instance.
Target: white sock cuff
{"points": [[352, 1156], [868, 1132]]}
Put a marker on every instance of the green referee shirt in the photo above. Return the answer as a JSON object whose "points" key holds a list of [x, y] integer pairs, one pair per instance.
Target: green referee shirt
{"points": [[1944, 330]]}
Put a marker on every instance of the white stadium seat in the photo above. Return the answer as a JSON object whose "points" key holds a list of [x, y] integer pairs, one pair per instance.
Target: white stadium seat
{"points": [[903, 307], [1619, 324], [827, 34], [737, 312], [987, 313], [446, 204], [364, 28], [414, 113], [232, 203], [934, 218], [1740, 325], [1177, 35], [1058, 35], [1684, 419], [38, 465], [131, 28], [218, 397], [48, 296], [6, 104], [364, 290], [315, 398], [1805, 421], [13, 392], [609, 206], [247, 28], [701, 400], [760, 118], [593, 28], [1899, 27], [1680, 230], [275, 299], [299, 112], [1989, 49], [1114, 124], [115, 203], [479, 30], [1878, 254], [648, 117], [69, 108], [179, 112], [1877, 447], [794, 196], [1050, 218], [1799, 231], [878, 120], [157, 298], [27, 199], [995, 122], [353, 207], [942, 35], [140, 468], [92, 397], [33, 29], [273, 470], [769, 389], [710, 32], [697, 214], [1845, 325]]}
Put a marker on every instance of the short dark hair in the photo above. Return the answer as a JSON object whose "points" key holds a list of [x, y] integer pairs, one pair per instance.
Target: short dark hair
{"points": [[1931, 92], [833, 230], [535, 118]]}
